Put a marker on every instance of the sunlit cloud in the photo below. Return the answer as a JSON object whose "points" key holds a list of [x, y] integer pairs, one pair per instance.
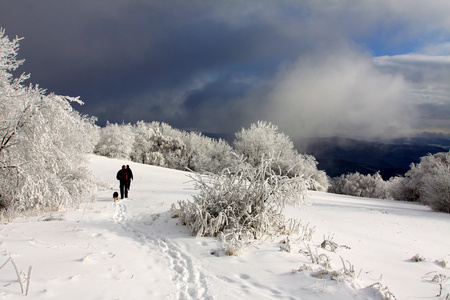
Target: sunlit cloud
{"points": [[340, 93]]}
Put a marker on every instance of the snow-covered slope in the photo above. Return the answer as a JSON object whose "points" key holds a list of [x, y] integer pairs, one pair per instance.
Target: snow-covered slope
{"points": [[134, 249]]}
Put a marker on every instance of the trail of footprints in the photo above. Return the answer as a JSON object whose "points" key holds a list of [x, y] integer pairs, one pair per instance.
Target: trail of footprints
{"points": [[190, 281]]}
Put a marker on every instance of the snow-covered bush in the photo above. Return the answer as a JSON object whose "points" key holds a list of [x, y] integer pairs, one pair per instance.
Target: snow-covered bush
{"points": [[414, 180], [160, 144], [435, 190], [168, 151], [157, 144], [43, 142], [116, 141], [360, 185], [143, 146], [396, 188], [263, 139], [200, 153], [206, 154], [306, 165], [427, 182], [411, 184], [244, 202]]}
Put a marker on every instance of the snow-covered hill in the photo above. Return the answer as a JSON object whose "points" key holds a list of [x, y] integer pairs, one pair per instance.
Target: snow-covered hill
{"points": [[134, 249]]}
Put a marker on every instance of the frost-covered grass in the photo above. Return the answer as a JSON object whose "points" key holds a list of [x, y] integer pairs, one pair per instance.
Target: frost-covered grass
{"points": [[244, 202], [350, 248]]}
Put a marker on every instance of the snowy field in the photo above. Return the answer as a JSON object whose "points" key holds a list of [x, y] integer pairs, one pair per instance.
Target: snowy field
{"points": [[134, 249]]}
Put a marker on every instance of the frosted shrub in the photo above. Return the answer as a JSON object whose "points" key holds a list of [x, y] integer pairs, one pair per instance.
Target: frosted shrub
{"points": [[200, 152], [169, 148], [435, 190], [412, 184], [306, 165], [157, 144], [396, 187], [143, 146], [116, 141], [247, 201], [357, 184], [206, 154], [160, 144], [263, 139], [428, 182]]}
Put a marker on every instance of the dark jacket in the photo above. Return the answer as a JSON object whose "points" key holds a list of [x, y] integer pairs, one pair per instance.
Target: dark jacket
{"points": [[130, 174], [122, 175]]}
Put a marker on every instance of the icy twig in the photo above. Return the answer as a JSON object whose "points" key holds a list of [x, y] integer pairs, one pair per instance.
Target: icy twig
{"points": [[439, 279], [28, 280], [19, 277], [7, 261], [384, 290]]}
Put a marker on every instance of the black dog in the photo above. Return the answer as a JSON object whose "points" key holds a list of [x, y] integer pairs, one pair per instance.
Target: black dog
{"points": [[116, 196]]}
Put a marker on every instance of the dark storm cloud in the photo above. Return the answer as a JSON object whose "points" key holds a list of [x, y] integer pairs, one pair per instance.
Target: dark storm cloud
{"points": [[216, 66], [122, 57]]}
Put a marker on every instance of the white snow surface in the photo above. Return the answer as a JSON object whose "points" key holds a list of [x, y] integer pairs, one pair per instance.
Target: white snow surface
{"points": [[134, 249]]}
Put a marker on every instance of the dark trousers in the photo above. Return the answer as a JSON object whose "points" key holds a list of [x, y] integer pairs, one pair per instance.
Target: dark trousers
{"points": [[128, 184], [123, 189]]}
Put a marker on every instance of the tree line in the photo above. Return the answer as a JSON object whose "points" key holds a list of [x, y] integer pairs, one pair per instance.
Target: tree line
{"points": [[159, 144], [427, 182]]}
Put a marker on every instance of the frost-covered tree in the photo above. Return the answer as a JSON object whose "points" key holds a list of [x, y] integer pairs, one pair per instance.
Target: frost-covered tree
{"points": [[183, 150], [143, 146], [206, 154], [428, 182], [116, 141], [360, 185], [436, 186], [306, 165], [168, 151], [165, 146], [263, 140], [159, 144], [43, 142], [396, 188]]}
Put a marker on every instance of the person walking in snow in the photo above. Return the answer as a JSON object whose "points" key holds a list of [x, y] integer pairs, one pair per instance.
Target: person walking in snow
{"points": [[122, 176], [130, 177]]}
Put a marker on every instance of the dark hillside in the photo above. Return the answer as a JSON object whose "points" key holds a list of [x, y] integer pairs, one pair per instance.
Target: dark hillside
{"points": [[339, 156]]}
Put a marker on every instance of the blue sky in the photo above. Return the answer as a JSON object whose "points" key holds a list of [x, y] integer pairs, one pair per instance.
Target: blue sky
{"points": [[364, 69]]}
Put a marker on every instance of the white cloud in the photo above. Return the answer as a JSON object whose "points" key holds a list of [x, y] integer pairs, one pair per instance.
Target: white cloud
{"points": [[339, 93], [428, 75]]}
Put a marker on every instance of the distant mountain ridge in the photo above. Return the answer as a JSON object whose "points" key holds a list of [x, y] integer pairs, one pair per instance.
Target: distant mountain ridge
{"points": [[338, 155]]}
